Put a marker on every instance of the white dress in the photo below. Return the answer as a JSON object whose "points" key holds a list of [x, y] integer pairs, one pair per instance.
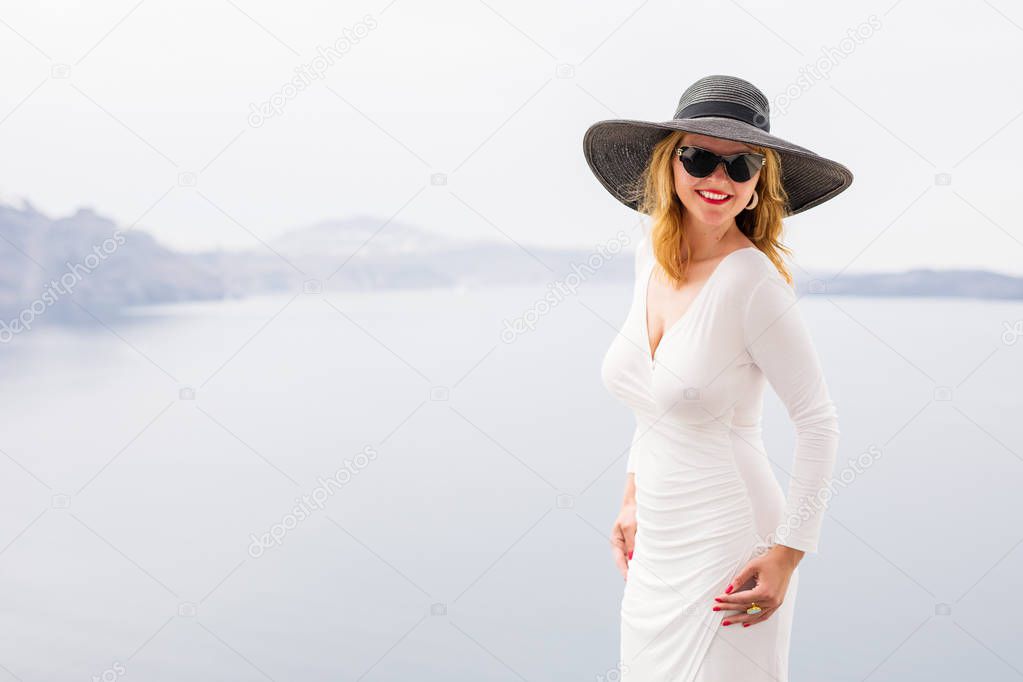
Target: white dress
{"points": [[707, 500]]}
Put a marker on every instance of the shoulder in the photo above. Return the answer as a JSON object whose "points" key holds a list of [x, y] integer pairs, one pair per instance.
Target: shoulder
{"points": [[643, 248], [641, 258], [753, 280], [748, 267], [644, 253]]}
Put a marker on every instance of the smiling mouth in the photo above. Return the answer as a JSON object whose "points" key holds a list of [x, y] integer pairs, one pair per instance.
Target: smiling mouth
{"points": [[714, 197]]}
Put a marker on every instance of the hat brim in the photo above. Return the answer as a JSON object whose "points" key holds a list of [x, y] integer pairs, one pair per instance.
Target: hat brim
{"points": [[617, 151]]}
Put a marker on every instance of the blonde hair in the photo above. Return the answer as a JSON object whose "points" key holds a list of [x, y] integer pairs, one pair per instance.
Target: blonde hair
{"points": [[657, 198]]}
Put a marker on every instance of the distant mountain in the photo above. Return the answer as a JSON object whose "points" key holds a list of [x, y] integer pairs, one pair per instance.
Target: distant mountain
{"points": [[360, 254], [47, 265], [927, 282], [363, 236]]}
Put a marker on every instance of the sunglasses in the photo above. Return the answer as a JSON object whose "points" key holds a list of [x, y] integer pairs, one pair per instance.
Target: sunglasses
{"points": [[700, 163]]}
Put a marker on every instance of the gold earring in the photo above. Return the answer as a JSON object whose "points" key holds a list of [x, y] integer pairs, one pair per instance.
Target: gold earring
{"points": [[756, 200]]}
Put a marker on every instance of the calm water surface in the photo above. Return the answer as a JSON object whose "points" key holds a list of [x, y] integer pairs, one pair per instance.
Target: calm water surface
{"points": [[464, 537]]}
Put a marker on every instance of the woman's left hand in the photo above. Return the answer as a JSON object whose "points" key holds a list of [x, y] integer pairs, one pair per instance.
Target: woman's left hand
{"points": [[770, 573]]}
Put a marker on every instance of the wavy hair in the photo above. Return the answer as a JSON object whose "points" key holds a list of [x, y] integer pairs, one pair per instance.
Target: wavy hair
{"points": [[657, 198]]}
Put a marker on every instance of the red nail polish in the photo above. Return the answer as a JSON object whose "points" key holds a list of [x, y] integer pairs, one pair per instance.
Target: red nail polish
{"points": [[728, 590], [745, 625], [630, 555], [716, 608], [718, 599], [727, 622]]}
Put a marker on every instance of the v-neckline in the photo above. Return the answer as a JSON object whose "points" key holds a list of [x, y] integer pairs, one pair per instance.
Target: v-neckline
{"points": [[652, 354]]}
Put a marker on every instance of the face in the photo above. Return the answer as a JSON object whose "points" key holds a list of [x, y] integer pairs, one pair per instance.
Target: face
{"points": [[688, 188]]}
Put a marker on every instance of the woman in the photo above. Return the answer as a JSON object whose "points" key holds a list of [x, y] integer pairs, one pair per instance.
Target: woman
{"points": [[706, 538]]}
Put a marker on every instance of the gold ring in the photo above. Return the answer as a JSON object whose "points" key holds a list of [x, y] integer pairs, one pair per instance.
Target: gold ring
{"points": [[753, 609]]}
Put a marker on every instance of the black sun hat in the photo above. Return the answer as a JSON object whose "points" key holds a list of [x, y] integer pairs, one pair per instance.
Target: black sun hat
{"points": [[727, 107]]}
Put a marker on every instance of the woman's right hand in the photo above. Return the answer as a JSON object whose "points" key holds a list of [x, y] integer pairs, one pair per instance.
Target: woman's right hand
{"points": [[623, 537]]}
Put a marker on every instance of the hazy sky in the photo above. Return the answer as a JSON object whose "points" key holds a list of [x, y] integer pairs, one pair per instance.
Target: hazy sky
{"points": [[144, 112]]}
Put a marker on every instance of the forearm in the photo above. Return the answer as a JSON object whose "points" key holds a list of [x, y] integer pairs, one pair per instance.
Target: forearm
{"points": [[629, 497], [816, 453], [787, 554]]}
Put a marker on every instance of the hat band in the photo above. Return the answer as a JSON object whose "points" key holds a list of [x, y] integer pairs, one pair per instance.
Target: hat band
{"points": [[728, 110]]}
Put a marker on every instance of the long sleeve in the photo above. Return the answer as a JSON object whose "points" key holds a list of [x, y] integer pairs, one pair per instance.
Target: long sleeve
{"points": [[779, 343]]}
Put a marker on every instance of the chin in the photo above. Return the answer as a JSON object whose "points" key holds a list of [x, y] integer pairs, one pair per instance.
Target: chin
{"points": [[709, 213]]}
